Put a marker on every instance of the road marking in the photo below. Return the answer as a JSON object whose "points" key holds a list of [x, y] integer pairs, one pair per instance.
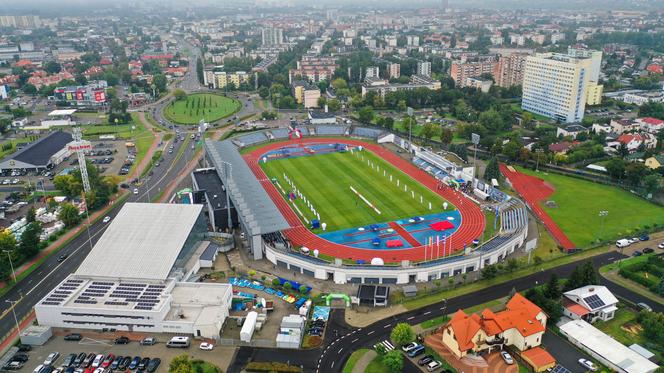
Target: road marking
{"points": [[428, 312], [371, 332], [338, 352], [443, 307], [387, 326], [332, 366], [410, 318], [354, 340]]}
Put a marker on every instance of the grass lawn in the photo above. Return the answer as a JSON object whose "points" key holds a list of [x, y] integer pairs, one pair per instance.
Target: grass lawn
{"points": [[579, 203], [207, 106], [376, 366], [625, 329], [325, 180], [547, 248], [352, 360], [14, 144]]}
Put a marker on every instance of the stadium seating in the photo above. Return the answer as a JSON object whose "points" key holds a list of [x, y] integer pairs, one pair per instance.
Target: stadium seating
{"points": [[371, 133], [252, 138], [331, 130]]}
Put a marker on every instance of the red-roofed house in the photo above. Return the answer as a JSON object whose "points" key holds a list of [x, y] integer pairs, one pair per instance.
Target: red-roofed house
{"points": [[634, 141], [521, 325], [105, 61], [94, 70], [23, 63], [652, 125], [655, 68]]}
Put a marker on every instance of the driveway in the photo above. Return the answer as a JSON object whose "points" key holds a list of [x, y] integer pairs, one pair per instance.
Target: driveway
{"points": [[565, 353]]}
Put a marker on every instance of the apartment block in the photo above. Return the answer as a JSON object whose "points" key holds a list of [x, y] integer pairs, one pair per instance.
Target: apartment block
{"points": [[393, 70], [306, 94], [556, 86], [508, 71], [372, 72], [461, 71], [424, 68], [272, 36], [313, 68]]}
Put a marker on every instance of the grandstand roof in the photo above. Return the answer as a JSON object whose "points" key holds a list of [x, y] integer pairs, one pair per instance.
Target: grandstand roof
{"points": [[256, 209]]}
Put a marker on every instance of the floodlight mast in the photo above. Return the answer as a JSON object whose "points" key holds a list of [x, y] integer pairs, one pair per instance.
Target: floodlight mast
{"points": [[78, 145]]}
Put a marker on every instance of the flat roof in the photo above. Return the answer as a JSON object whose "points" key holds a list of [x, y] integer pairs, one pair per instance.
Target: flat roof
{"points": [[142, 242], [608, 348], [39, 153], [209, 181], [56, 113]]}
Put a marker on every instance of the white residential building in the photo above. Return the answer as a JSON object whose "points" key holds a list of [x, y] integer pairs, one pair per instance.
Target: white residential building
{"points": [[555, 85], [590, 303], [272, 36], [372, 72], [424, 68]]}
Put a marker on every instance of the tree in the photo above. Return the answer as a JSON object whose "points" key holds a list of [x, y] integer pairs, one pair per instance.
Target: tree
{"points": [[160, 82], [492, 121], [303, 289], [30, 216], [526, 120], [393, 360], [492, 170], [334, 105], [366, 114], [582, 275], [30, 243], [179, 95], [446, 136], [428, 131], [181, 364], [489, 272], [69, 215], [263, 92], [616, 168], [512, 264], [652, 183], [512, 150], [401, 105], [402, 334], [52, 67], [288, 286], [635, 172], [552, 288], [321, 101], [199, 71], [29, 89]]}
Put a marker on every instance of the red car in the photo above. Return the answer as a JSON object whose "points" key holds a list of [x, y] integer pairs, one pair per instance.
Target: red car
{"points": [[89, 370], [107, 362]]}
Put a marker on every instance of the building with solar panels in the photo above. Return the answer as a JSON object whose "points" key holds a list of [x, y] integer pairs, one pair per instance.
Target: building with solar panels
{"points": [[590, 303], [136, 276]]}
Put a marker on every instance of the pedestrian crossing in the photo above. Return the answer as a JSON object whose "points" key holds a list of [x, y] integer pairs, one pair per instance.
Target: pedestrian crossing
{"points": [[388, 346]]}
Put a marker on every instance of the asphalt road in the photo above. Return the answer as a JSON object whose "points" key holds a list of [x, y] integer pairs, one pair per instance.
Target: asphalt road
{"points": [[36, 285], [339, 346]]}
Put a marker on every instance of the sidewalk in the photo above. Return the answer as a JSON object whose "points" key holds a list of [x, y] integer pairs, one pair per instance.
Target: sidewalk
{"points": [[362, 364]]}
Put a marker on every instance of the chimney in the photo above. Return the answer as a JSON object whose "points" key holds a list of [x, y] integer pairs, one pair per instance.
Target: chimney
{"points": [[326, 108]]}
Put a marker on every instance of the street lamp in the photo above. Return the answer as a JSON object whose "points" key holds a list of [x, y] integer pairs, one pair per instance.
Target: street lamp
{"points": [[8, 252], [602, 216], [538, 151], [13, 305]]}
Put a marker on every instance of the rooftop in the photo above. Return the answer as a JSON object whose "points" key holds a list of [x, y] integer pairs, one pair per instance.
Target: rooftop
{"points": [[142, 242], [57, 113], [40, 152]]}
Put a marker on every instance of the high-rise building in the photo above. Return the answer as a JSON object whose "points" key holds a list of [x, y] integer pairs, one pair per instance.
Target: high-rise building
{"points": [[413, 41], [393, 70], [508, 71], [372, 72], [29, 21], [595, 90], [424, 68], [556, 86], [272, 36], [461, 71]]}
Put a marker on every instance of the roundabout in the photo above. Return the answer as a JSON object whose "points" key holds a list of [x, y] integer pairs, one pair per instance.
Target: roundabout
{"points": [[208, 107]]}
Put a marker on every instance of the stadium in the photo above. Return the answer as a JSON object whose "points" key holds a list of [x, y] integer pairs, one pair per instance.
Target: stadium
{"points": [[360, 205]]}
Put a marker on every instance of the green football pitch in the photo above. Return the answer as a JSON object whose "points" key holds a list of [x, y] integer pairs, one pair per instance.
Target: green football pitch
{"points": [[206, 106], [578, 203], [326, 180]]}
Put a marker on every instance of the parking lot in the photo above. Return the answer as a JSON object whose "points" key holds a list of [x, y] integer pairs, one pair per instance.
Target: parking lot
{"points": [[103, 343]]}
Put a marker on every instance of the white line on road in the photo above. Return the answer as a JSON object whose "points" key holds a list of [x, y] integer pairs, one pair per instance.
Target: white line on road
{"points": [[338, 352], [387, 326], [332, 366], [410, 318], [371, 332], [354, 340], [428, 312]]}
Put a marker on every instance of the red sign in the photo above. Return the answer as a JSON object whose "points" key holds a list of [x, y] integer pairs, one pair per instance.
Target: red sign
{"points": [[78, 147], [79, 95], [100, 96]]}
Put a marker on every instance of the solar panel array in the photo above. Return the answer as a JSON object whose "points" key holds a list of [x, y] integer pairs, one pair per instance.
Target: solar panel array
{"points": [[139, 295], [61, 293], [560, 369], [594, 301]]}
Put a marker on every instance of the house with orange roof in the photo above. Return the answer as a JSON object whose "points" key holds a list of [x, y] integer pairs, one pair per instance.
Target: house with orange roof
{"points": [[521, 325]]}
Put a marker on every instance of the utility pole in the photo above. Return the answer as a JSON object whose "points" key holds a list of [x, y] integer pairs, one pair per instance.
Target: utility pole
{"points": [[13, 305], [538, 152], [8, 252]]}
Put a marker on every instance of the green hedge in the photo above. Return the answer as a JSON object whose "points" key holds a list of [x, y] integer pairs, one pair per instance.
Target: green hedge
{"points": [[654, 266], [272, 367]]}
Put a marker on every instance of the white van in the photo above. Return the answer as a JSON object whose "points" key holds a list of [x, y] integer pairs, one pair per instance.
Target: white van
{"points": [[623, 243], [178, 342]]}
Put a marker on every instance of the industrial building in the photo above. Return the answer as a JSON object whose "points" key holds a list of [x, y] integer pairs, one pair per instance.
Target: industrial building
{"points": [[136, 276], [44, 153]]}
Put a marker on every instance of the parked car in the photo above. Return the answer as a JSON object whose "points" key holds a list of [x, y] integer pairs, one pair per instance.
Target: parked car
{"points": [[134, 362], [107, 361], [69, 360], [648, 250], [143, 363], [39, 368], [206, 346], [124, 363], [637, 253], [116, 362], [13, 365], [24, 348], [645, 237], [88, 360], [661, 245], [433, 365], [96, 363], [409, 346], [73, 337], [121, 340], [588, 364], [80, 359], [149, 341], [20, 356], [425, 360], [153, 365], [507, 357], [51, 358], [417, 351]]}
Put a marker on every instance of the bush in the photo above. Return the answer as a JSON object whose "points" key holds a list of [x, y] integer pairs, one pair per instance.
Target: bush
{"points": [[275, 282], [255, 366]]}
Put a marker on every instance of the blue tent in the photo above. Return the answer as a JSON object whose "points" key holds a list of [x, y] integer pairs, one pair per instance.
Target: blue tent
{"points": [[375, 241], [374, 227], [315, 224]]}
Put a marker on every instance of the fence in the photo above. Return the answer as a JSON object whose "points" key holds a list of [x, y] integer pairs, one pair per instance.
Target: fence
{"points": [[266, 343]]}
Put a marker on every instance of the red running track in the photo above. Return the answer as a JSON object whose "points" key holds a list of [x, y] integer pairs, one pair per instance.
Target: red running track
{"points": [[404, 234], [472, 219], [534, 190]]}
